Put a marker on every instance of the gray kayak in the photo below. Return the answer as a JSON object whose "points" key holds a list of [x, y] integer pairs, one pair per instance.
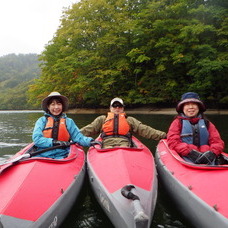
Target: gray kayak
{"points": [[124, 181]]}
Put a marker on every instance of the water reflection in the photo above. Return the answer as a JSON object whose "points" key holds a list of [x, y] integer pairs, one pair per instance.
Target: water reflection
{"points": [[86, 213], [16, 132], [16, 129]]}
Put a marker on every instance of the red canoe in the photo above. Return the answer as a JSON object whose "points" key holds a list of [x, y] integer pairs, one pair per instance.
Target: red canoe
{"points": [[39, 192], [200, 191], [124, 181]]}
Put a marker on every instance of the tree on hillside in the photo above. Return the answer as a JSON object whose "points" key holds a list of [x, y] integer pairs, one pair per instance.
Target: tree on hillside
{"points": [[186, 45], [17, 72], [145, 51], [87, 58]]}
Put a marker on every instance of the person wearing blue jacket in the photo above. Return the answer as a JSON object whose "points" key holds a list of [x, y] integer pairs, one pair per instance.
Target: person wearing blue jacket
{"points": [[55, 128]]}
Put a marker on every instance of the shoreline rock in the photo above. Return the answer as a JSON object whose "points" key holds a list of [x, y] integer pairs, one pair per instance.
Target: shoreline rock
{"points": [[167, 111]]}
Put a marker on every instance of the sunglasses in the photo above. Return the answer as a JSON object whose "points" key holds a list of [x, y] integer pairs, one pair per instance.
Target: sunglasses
{"points": [[117, 105]]}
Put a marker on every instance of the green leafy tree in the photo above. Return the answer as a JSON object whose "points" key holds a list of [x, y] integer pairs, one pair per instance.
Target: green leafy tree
{"points": [[186, 45], [17, 72], [145, 51], [87, 58]]}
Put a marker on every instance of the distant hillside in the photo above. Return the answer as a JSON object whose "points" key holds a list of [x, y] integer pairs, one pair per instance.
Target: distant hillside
{"points": [[17, 72]]}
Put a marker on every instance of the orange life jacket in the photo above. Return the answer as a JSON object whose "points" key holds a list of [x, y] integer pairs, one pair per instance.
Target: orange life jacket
{"points": [[56, 129], [115, 125]]}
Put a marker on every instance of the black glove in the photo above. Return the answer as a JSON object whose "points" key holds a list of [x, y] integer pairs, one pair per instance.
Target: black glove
{"points": [[95, 142], [222, 160], [61, 143], [194, 155], [206, 158]]}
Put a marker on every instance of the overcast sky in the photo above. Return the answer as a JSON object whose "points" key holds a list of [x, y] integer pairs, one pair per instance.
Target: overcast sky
{"points": [[27, 25]]}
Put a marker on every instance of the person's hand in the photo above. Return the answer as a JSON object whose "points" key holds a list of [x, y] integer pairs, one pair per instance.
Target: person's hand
{"points": [[194, 155], [95, 142], [206, 158], [61, 143], [164, 136]]}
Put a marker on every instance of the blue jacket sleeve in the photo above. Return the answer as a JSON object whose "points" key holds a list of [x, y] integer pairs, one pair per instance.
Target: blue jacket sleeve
{"points": [[37, 136], [76, 135]]}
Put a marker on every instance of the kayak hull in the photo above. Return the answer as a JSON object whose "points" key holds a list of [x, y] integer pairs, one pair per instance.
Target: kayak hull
{"points": [[199, 191], [39, 192], [112, 171]]}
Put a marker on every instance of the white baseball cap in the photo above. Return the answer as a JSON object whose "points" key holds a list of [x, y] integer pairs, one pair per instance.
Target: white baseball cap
{"points": [[116, 99]]}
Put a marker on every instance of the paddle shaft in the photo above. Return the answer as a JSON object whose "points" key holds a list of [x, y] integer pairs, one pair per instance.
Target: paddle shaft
{"points": [[9, 163], [30, 154], [47, 149]]}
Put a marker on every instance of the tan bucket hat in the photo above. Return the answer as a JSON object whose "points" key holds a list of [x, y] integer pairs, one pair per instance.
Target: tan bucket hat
{"points": [[55, 95]]}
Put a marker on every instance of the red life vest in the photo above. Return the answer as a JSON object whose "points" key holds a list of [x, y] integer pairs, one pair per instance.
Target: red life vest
{"points": [[56, 129], [115, 125]]}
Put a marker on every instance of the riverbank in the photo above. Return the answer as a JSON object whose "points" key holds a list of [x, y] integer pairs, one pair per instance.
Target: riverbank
{"points": [[167, 111], [154, 111]]}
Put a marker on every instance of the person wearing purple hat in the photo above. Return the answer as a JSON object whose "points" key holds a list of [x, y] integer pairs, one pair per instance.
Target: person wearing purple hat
{"points": [[56, 129], [193, 136]]}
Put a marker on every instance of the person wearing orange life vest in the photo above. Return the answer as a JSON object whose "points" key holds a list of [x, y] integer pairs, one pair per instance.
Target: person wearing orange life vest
{"points": [[55, 128], [116, 128]]}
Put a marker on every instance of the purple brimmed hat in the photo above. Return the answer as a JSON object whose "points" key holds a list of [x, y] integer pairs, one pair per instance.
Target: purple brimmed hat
{"points": [[190, 97], [53, 95]]}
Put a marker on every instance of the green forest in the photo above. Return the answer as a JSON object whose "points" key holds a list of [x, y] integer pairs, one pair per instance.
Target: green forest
{"points": [[17, 72], [148, 52], [145, 51]]}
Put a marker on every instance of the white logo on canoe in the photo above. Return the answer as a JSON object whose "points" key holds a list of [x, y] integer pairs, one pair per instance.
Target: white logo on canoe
{"points": [[163, 153], [54, 222], [104, 202]]}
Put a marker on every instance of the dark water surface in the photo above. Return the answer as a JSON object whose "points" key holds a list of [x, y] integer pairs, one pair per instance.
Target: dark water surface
{"points": [[16, 132]]}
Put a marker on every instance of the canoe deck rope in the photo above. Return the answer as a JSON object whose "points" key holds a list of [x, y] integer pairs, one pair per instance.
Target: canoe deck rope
{"points": [[140, 217]]}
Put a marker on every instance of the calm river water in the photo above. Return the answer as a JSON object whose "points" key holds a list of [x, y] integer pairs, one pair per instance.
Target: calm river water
{"points": [[16, 132]]}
